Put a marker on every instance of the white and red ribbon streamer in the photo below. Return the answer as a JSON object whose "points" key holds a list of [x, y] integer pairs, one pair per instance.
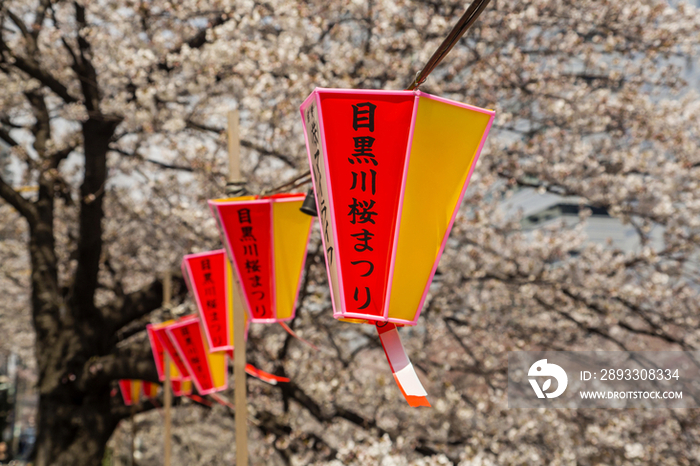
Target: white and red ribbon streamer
{"points": [[404, 373]]}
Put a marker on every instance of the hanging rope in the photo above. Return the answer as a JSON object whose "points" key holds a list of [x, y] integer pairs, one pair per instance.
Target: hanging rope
{"points": [[289, 185], [462, 26], [464, 23]]}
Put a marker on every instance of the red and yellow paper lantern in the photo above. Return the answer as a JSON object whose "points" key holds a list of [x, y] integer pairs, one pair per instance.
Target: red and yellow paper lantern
{"points": [[266, 240], [208, 370], [209, 278], [130, 390], [389, 170], [150, 389], [160, 343], [182, 388]]}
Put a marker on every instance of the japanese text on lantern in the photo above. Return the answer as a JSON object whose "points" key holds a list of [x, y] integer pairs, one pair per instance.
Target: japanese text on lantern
{"points": [[317, 161], [319, 172], [190, 341], [212, 302], [252, 268], [363, 166]]}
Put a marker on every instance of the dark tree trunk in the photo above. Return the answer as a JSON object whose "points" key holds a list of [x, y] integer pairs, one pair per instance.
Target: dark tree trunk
{"points": [[76, 351], [75, 413], [73, 431]]}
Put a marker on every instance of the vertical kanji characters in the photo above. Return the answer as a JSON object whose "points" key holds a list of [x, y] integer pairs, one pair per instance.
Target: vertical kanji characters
{"points": [[360, 169], [207, 280], [247, 228], [253, 269], [362, 211]]}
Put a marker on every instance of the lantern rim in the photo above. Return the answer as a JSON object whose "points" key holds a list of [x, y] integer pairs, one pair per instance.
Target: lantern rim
{"points": [[372, 319], [416, 92], [203, 253], [279, 197]]}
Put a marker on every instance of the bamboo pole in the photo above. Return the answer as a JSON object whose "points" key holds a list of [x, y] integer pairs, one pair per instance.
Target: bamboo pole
{"points": [[133, 431], [167, 393], [168, 402], [234, 148], [235, 185]]}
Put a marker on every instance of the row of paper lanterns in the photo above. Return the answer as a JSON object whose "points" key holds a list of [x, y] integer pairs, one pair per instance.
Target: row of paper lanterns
{"points": [[389, 171]]}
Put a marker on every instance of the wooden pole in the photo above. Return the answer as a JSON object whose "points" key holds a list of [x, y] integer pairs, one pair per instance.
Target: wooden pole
{"points": [[239, 356], [167, 393], [234, 149], [168, 402], [133, 431], [239, 363]]}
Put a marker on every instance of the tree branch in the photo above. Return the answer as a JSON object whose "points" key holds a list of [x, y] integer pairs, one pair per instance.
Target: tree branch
{"points": [[58, 156], [83, 66], [155, 162], [23, 206], [589, 329], [140, 303], [196, 41], [42, 127], [31, 67], [19, 23], [39, 16], [268, 424], [284, 158], [97, 132], [291, 390], [133, 361], [5, 136]]}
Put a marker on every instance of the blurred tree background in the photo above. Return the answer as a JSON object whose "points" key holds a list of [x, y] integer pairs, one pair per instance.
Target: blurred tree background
{"points": [[112, 117]]}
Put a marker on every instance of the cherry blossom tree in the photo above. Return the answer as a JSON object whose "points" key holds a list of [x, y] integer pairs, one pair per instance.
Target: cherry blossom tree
{"points": [[114, 115]]}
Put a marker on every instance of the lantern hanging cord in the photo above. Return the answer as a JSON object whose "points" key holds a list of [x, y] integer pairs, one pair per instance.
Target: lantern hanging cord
{"points": [[464, 23], [292, 184]]}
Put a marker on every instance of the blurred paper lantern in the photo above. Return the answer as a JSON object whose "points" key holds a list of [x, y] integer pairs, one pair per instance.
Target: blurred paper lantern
{"points": [[209, 370], [149, 389], [130, 390], [209, 278], [389, 170], [160, 342], [266, 240], [182, 388]]}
